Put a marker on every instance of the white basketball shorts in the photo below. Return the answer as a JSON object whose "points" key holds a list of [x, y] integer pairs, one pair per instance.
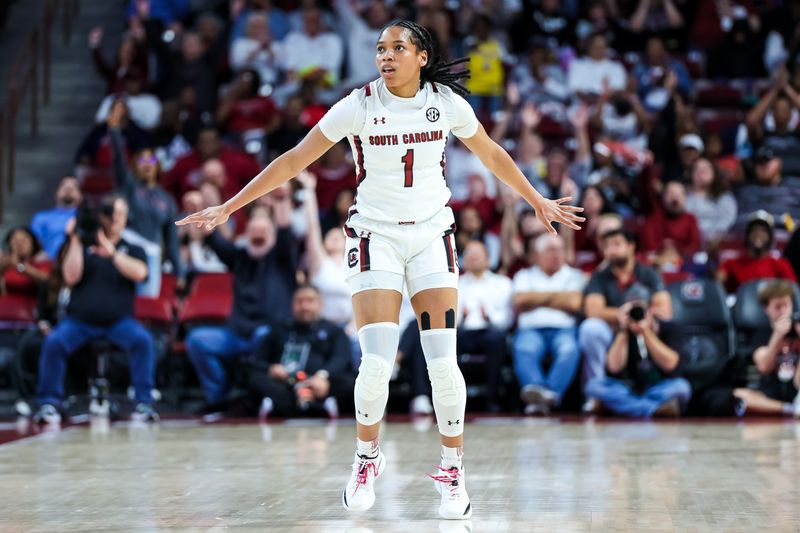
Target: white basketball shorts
{"points": [[382, 255]]}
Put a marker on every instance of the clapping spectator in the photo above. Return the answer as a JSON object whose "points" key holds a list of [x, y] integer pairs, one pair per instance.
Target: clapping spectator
{"points": [[548, 298], [263, 282], [49, 225], [257, 51], [143, 108], [23, 266], [594, 73], [620, 118], [772, 123], [485, 314], [152, 211], [130, 59], [102, 271], [653, 76], [362, 32], [656, 17], [670, 228], [739, 55]]}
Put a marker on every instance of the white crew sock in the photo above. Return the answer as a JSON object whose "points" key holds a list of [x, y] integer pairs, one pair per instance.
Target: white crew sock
{"points": [[367, 448], [451, 457]]}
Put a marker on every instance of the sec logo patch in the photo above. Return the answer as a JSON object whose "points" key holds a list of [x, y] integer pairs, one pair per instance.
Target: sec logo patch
{"points": [[432, 114]]}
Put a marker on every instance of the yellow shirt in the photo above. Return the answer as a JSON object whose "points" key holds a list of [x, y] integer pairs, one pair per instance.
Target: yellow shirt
{"points": [[486, 69]]}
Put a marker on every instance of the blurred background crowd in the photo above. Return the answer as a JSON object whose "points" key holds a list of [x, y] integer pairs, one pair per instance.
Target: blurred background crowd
{"points": [[674, 123]]}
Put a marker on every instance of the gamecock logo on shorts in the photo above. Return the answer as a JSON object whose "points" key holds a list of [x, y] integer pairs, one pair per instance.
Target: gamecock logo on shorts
{"points": [[432, 114], [352, 257]]}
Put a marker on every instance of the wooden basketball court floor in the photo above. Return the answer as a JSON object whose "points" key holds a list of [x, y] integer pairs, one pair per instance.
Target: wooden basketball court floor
{"points": [[522, 474]]}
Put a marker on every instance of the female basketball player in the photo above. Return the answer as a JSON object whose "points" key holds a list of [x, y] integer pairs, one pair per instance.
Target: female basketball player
{"points": [[400, 230]]}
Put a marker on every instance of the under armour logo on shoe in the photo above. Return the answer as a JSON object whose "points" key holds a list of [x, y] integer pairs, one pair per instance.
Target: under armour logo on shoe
{"points": [[450, 422], [382, 120]]}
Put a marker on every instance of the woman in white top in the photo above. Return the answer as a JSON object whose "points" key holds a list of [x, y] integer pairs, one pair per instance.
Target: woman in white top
{"points": [[326, 270], [400, 232], [710, 202]]}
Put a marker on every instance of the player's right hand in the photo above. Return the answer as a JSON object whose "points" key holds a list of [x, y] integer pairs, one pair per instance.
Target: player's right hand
{"points": [[209, 218]]}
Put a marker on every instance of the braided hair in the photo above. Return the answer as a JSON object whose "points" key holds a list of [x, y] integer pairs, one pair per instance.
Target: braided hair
{"points": [[437, 70]]}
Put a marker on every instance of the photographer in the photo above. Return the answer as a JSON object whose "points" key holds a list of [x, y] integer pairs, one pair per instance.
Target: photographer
{"points": [[303, 363], [777, 361], [640, 364], [608, 289], [102, 270]]}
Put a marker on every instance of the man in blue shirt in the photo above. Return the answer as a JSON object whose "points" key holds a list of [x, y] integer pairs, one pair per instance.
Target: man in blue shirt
{"points": [[48, 225]]}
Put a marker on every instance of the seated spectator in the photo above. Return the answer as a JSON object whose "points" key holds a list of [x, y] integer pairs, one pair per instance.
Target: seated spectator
{"points": [[609, 288], [326, 269], [23, 266], [95, 149], [191, 64], [48, 225], [196, 254], [263, 281], [485, 314], [362, 32], [549, 19], [757, 262], [659, 18], [187, 174], [292, 128], [102, 272], [595, 206], [337, 215], [778, 362], [595, 73], [131, 57], [244, 111], [151, 224], [769, 189], [620, 118], [486, 56], [739, 54], [547, 297], [713, 206], [541, 81], [301, 57], [641, 366], [256, 50], [144, 108], [303, 363], [470, 227], [670, 230], [652, 75], [335, 173]]}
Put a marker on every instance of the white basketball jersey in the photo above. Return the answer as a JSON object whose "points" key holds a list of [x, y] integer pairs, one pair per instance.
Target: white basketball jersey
{"points": [[400, 160]]}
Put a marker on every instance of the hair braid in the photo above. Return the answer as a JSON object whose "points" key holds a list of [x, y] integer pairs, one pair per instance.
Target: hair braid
{"points": [[436, 70]]}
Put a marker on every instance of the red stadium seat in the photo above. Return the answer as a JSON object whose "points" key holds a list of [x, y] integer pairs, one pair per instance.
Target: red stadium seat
{"points": [[17, 311], [97, 183], [550, 128], [671, 277], [719, 120], [717, 94], [153, 311], [212, 283], [214, 307]]}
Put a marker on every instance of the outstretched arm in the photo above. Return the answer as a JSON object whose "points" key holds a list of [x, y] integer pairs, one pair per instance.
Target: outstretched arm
{"points": [[315, 250], [501, 165], [281, 170]]}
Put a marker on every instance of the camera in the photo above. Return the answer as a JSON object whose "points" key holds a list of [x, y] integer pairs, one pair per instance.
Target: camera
{"points": [[795, 320], [637, 312], [87, 221]]}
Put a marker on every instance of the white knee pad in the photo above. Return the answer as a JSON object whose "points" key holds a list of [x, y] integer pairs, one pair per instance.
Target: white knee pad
{"points": [[379, 350], [447, 382]]}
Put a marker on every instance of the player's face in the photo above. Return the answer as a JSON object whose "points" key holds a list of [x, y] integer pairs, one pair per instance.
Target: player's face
{"points": [[398, 60]]}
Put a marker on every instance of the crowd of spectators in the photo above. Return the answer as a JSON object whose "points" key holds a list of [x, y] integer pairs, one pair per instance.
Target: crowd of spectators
{"points": [[673, 123]]}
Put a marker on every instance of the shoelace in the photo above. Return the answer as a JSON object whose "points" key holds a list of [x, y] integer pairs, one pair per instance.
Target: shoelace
{"points": [[363, 470], [450, 478]]}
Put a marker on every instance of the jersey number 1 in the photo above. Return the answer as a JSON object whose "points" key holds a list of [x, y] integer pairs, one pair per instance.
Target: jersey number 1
{"points": [[408, 166]]}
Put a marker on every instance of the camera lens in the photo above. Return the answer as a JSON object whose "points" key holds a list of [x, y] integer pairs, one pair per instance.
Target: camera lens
{"points": [[636, 313]]}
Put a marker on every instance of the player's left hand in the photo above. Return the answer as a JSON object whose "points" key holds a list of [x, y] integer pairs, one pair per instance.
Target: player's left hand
{"points": [[549, 211]]}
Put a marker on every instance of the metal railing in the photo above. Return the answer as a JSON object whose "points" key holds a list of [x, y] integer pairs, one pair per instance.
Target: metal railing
{"points": [[30, 78]]}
